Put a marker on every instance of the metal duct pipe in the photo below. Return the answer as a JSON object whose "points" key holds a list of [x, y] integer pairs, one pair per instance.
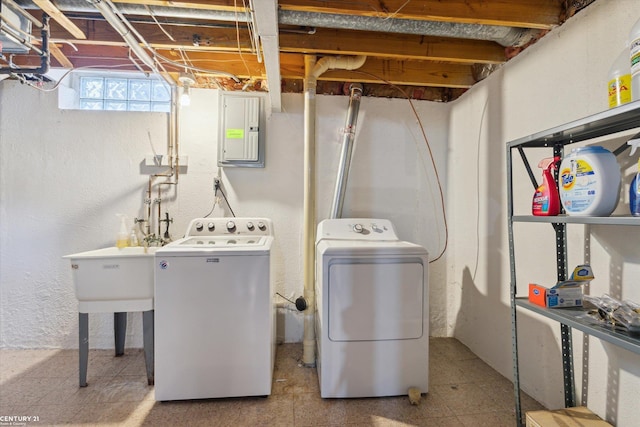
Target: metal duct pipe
{"points": [[505, 36], [347, 149], [44, 55]]}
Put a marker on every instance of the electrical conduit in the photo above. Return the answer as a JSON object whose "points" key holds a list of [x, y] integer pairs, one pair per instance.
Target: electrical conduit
{"points": [[313, 70]]}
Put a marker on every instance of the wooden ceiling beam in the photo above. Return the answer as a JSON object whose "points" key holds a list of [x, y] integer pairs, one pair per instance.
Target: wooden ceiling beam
{"points": [[323, 42], [398, 46], [222, 5], [59, 56], [413, 73], [60, 17], [540, 14]]}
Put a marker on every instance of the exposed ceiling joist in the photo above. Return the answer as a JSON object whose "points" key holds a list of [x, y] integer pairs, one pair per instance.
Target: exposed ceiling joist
{"points": [[439, 47], [59, 17]]}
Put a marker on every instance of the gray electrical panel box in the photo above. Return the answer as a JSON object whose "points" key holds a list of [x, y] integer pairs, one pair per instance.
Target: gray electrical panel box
{"points": [[241, 141]]}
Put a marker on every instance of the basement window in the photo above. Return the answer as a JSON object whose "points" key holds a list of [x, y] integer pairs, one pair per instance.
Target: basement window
{"points": [[114, 91]]}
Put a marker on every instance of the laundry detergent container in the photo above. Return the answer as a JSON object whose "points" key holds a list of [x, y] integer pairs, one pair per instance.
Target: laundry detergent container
{"points": [[590, 182]]}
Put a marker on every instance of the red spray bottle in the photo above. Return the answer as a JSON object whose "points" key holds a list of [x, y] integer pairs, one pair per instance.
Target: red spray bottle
{"points": [[546, 200]]}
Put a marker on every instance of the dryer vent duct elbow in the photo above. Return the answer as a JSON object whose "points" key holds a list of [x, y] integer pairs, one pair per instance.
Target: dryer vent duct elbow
{"points": [[347, 150]]}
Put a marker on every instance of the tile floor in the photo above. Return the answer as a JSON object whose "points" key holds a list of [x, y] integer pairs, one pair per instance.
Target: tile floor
{"points": [[464, 391]]}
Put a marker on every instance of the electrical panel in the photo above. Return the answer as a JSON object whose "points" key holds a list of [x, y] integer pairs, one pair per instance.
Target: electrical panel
{"points": [[241, 139]]}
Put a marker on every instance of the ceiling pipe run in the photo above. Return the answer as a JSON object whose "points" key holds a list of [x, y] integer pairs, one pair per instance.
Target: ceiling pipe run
{"points": [[45, 58], [505, 36], [107, 8]]}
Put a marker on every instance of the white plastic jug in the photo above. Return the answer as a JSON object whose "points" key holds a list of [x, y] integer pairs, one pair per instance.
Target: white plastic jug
{"points": [[590, 182]]}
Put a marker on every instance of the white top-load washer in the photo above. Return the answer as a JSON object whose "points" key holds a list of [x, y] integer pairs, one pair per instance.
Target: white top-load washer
{"points": [[372, 319], [214, 311]]}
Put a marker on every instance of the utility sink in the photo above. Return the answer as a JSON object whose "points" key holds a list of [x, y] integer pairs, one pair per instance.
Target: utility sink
{"points": [[114, 279]]}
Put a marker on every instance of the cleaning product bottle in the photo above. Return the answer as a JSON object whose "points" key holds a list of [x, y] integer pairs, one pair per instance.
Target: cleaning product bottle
{"points": [[546, 201], [122, 240], [634, 190], [619, 81], [590, 182], [634, 54], [133, 237]]}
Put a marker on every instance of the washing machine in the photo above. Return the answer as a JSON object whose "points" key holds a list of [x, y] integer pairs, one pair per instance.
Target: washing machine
{"points": [[372, 319], [214, 311]]}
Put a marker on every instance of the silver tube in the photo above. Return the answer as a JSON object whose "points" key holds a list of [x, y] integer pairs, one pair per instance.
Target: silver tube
{"points": [[18, 9], [347, 150], [505, 36]]}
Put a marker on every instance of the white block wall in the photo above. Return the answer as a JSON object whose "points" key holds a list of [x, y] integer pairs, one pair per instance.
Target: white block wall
{"points": [[66, 174], [561, 78]]}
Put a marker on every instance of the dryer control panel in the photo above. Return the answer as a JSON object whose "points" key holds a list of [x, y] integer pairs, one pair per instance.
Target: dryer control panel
{"points": [[229, 226], [356, 229]]}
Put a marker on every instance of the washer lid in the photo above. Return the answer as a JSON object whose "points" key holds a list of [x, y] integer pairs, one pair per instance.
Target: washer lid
{"points": [[209, 245]]}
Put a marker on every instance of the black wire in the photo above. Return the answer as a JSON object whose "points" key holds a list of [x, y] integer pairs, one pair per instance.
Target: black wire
{"points": [[227, 202], [280, 295]]}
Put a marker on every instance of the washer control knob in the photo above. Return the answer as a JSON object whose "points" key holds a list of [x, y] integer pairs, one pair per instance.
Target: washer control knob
{"points": [[231, 226], [358, 228], [211, 226], [199, 226], [262, 226], [250, 226]]}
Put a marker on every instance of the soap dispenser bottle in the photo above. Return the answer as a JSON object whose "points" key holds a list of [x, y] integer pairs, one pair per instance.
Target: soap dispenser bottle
{"points": [[122, 239], [546, 199], [133, 237]]}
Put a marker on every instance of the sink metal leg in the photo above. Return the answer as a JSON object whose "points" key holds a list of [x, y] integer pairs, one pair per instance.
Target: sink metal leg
{"points": [[148, 343], [83, 346], [120, 331]]}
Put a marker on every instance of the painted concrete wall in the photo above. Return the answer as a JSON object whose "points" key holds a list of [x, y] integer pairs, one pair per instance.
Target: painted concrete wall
{"points": [[561, 78], [66, 174]]}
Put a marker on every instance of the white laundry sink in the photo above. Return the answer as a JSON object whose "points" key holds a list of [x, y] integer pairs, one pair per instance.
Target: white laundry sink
{"points": [[114, 279]]}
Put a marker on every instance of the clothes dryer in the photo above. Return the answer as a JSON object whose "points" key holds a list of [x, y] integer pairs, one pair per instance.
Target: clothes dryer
{"points": [[372, 319]]}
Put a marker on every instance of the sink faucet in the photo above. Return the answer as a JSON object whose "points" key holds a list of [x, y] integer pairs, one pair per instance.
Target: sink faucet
{"points": [[152, 240]]}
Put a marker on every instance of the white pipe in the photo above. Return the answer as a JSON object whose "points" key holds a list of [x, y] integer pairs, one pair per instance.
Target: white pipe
{"points": [[313, 70], [309, 217], [337, 62], [105, 9]]}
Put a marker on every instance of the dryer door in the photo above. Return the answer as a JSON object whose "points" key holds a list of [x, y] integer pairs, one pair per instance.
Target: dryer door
{"points": [[373, 300]]}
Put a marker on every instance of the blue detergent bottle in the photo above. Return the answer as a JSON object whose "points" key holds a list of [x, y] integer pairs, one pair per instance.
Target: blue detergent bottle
{"points": [[634, 194], [634, 190]]}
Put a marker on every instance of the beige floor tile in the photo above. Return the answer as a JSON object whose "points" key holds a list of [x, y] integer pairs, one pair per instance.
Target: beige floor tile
{"points": [[450, 349], [48, 415], [465, 399], [463, 391], [491, 419]]}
